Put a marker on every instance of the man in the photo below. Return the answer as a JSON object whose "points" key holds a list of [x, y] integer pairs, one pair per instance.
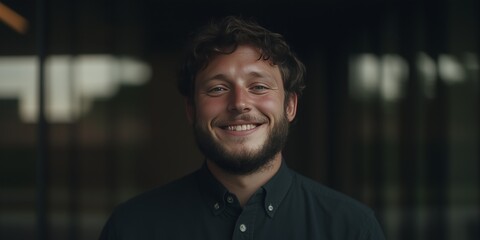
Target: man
{"points": [[241, 83]]}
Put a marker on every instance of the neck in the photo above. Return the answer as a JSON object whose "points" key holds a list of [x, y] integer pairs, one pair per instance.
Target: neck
{"points": [[244, 186]]}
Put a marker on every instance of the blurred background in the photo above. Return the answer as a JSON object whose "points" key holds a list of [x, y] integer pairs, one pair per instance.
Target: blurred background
{"points": [[90, 116]]}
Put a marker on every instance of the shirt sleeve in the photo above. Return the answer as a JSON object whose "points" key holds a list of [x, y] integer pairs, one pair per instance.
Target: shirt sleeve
{"points": [[107, 231], [374, 230]]}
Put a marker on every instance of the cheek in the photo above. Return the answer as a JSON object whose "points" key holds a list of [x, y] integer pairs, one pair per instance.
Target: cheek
{"points": [[206, 110], [271, 105]]}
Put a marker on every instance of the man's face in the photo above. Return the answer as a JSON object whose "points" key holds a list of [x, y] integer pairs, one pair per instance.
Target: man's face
{"points": [[239, 111]]}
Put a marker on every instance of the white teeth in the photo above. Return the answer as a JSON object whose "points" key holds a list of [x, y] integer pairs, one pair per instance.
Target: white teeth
{"points": [[244, 127]]}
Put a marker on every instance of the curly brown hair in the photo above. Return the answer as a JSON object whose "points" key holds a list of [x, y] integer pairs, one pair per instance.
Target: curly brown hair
{"points": [[224, 36]]}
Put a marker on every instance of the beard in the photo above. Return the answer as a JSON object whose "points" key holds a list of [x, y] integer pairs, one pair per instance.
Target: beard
{"points": [[247, 161]]}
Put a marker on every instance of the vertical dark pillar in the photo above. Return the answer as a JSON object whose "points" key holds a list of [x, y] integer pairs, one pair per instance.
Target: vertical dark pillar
{"points": [[408, 125], [437, 162], [408, 130], [73, 131], [437, 125], [331, 118], [42, 137], [336, 110], [73, 182], [377, 163], [112, 16], [476, 229]]}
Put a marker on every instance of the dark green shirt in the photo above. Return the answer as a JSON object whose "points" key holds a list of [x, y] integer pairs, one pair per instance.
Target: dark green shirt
{"points": [[289, 206]]}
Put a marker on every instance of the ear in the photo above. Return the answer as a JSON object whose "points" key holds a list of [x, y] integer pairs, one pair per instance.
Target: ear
{"points": [[189, 109], [291, 106]]}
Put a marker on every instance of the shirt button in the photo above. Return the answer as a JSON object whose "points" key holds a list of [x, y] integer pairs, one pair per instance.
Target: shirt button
{"points": [[243, 228], [270, 207], [230, 199], [216, 206]]}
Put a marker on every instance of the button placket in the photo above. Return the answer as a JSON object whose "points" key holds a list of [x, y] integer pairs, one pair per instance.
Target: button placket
{"points": [[245, 226]]}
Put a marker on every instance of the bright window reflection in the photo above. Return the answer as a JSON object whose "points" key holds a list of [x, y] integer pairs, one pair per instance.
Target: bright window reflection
{"points": [[72, 83], [371, 76], [385, 75]]}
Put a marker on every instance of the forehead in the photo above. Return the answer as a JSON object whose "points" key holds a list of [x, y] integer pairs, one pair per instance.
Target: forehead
{"points": [[245, 59]]}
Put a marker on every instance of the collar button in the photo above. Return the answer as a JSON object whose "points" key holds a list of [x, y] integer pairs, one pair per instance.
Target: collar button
{"points": [[270, 207]]}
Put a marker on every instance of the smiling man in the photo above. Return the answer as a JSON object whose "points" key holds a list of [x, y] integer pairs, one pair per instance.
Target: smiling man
{"points": [[241, 83]]}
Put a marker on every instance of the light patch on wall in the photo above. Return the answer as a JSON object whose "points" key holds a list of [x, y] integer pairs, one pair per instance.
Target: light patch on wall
{"points": [[72, 83], [372, 76], [385, 76], [364, 75], [394, 74], [427, 73], [450, 69]]}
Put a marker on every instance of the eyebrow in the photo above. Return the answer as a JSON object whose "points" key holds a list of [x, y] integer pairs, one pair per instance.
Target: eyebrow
{"points": [[219, 76], [224, 77], [257, 74]]}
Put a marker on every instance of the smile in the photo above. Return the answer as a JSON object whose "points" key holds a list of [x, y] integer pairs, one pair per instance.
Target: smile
{"points": [[239, 128]]}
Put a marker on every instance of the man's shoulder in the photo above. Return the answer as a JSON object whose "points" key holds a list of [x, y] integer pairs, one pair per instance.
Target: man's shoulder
{"points": [[167, 205], [345, 215], [162, 196], [329, 199]]}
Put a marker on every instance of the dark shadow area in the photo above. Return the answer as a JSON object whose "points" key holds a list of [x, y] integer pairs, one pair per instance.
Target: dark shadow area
{"points": [[389, 116]]}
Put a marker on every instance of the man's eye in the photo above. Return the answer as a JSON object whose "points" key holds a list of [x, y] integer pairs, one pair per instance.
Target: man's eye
{"points": [[217, 90], [259, 88]]}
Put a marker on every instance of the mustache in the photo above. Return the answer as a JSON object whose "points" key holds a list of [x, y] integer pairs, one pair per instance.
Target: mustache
{"points": [[247, 118]]}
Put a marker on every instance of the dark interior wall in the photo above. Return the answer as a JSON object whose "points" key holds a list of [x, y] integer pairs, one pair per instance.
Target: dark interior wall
{"points": [[414, 160]]}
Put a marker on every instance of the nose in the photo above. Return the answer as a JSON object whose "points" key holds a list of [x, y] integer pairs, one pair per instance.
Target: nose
{"points": [[239, 101]]}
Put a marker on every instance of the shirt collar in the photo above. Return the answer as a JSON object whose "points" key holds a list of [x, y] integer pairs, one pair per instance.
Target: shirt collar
{"points": [[275, 190], [212, 190]]}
